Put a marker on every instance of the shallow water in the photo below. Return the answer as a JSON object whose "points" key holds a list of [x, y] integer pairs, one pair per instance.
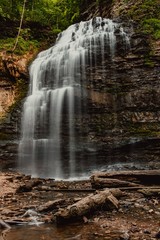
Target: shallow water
{"points": [[51, 232]]}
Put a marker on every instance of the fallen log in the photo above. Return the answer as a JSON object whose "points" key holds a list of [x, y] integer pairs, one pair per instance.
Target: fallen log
{"points": [[137, 188], [87, 205], [99, 182], [150, 191], [125, 178], [14, 222], [4, 225]]}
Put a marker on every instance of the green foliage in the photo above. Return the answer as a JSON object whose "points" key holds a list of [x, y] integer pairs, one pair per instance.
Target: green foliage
{"points": [[48, 17], [26, 45], [56, 30], [22, 47], [152, 26], [146, 13], [58, 13]]}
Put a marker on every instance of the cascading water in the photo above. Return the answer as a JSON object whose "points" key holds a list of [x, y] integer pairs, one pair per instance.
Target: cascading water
{"points": [[57, 92]]}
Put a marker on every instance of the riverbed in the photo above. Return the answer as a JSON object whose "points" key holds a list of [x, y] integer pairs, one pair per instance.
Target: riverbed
{"points": [[26, 208]]}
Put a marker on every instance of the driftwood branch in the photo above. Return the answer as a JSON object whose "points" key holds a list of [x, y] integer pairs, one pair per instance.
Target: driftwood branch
{"points": [[87, 205], [125, 178]]}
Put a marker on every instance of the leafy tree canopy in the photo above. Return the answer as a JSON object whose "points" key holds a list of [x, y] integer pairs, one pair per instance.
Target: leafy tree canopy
{"points": [[42, 20], [57, 13]]}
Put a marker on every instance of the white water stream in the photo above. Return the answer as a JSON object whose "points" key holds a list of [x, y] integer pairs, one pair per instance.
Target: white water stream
{"points": [[57, 89]]}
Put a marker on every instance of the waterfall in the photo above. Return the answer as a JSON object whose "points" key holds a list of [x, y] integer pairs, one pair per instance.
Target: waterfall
{"points": [[57, 92]]}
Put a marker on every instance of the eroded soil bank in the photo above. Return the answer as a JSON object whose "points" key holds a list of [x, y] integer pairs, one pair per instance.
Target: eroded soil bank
{"points": [[34, 201]]}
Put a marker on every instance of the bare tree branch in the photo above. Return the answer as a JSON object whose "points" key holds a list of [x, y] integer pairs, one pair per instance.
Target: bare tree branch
{"points": [[20, 26]]}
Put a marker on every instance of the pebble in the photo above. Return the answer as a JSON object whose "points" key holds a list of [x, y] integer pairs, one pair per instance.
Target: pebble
{"points": [[105, 225], [147, 231], [14, 200], [59, 195], [10, 179], [125, 236], [134, 229], [141, 200], [45, 188], [134, 224], [85, 219], [16, 181], [98, 234], [158, 235], [151, 211], [146, 208], [157, 213], [137, 205], [120, 210]]}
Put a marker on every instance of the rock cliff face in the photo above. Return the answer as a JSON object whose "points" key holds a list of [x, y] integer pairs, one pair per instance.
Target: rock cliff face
{"points": [[12, 70], [124, 116], [13, 88], [124, 106], [122, 120]]}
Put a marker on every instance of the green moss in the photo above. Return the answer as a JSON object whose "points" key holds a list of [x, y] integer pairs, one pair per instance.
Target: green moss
{"points": [[146, 13], [21, 88], [152, 26], [23, 45], [149, 63], [3, 136], [143, 129], [56, 31]]}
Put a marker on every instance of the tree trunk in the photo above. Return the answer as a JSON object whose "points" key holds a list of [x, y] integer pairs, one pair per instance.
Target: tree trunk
{"points": [[87, 205], [20, 26]]}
